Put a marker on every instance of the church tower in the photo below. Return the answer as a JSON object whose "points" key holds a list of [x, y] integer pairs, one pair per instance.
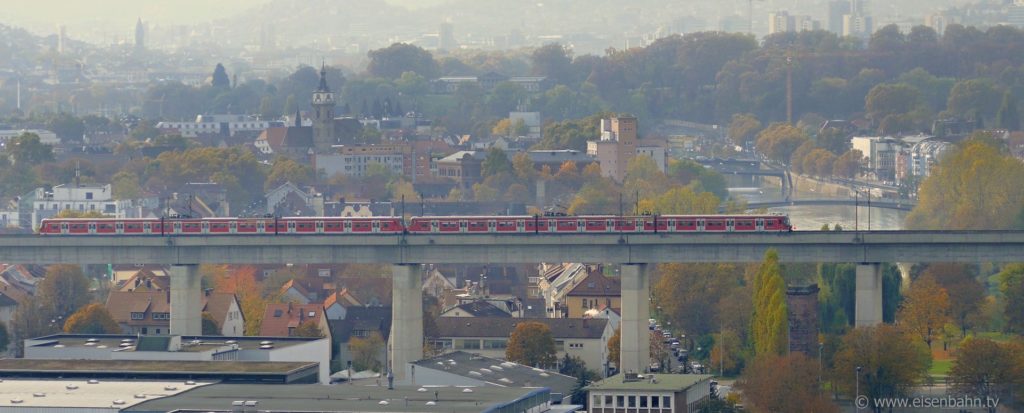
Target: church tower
{"points": [[323, 114]]}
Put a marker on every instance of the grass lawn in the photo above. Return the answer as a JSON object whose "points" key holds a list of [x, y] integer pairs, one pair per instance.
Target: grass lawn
{"points": [[940, 368]]}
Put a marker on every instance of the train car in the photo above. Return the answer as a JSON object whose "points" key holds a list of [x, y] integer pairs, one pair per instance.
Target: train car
{"points": [[516, 224], [222, 226]]}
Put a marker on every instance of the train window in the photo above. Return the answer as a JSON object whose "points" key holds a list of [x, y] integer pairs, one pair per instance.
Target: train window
{"points": [[319, 224], [119, 226]]}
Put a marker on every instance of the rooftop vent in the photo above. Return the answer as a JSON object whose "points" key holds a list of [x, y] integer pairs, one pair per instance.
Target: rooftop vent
{"points": [[488, 371], [140, 396], [266, 347], [71, 387], [498, 368], [101, 346], [190, 383], [431, 403], [92, 340], [127, 340], [17, 401], [231, 342], [170, 388], [118, 402], [383, 403], [505, 380], [90, 344], [467, 390], [93, 381], [38, 394], [263, 343], [58, 346], [421, 389], [475, 373], [545, 375]]}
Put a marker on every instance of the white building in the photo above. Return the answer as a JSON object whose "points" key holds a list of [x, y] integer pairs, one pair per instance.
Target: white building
{"points": [[45, 137], [227, 125], [879, 153], [80, 198], [530, 119], [355, 160]]}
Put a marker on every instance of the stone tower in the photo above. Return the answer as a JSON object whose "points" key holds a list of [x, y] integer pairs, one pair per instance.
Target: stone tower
{"points": [[323, 114]]}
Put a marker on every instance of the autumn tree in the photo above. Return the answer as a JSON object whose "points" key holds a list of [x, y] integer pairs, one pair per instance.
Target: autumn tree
{"points": [[779, 140], [686, 294], [531, 344], [770, 323], [964, 291], [308, 328], [92, 319], [890, 363], [495, 163], [242, 282], [615, 346], [366, 352], [743, 127], [523, 167], [65, 289], [784, 384], [727, 354], [33, 318], [925, 310], [1011, 285], [287, 170], [985, 368], [847, 165], [967, 190]]}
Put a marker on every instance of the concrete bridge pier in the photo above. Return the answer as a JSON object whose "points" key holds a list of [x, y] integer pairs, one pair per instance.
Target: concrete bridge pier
{"points": [[869, 295], [406, 341], [635, 348], [186, 300]]}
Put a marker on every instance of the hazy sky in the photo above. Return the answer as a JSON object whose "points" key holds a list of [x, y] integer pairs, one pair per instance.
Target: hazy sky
{"points": [[43, 15]]}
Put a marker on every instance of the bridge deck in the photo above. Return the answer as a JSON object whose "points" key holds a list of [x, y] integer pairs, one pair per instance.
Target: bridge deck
{"points": [[798, 246]]}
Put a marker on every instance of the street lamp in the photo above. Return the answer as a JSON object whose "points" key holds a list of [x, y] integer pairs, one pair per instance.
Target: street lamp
{"points": [[857, 396], [820, 347]]}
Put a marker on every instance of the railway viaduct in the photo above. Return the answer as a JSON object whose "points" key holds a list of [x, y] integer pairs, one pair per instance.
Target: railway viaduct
{"points": [[636, 253]]}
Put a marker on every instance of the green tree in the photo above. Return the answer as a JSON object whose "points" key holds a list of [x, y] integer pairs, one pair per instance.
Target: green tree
{"points": [[92, 319], [891, 99], [847, 165], [69, 128], [687, 294], [1008, 117], [392, 61], [287, 170], [308, 328], [366, 352], [33, 318], [26, 149], [890, 363], [125, 185], [220, 79], [770, 322], [532, 344], [5, 337], [553, 61], [65, 289], [974, 96], [495, 163], [1011, 286]]}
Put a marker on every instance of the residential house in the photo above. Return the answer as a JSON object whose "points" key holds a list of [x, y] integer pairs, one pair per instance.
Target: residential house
{"points": [[360, 322], [436, 283], [79, 198], [145, 281], [356, 160], [477, 309], [120, 274], [294, 291], [22, 278], [463, 167], [675, 393], [555, 281], [295, 141], [289, 200], [281, 319], [337, 304], [488, 336], [594, 292], [149, 312]]}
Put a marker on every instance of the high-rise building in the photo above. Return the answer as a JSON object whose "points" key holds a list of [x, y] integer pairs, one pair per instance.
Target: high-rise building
{"points": [[61, 38], [446, 37], [140, 36], [1016, 15], [857, 25], [780, 21], [323, 114], [836, 10]]}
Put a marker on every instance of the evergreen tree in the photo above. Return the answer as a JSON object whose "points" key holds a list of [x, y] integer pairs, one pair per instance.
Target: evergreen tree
{"points": [[1008, 117], [770, 322], [220, 77], [289, 105]]}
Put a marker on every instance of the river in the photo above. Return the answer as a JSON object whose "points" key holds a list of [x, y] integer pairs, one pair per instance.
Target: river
{"points": [[809, 217]]}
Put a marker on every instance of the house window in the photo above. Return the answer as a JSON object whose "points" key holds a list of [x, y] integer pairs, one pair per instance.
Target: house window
{"points": [[666, 402], [138, 316], [324, 272], [495, 344], [467, 344], [161, 316], [88, 195]]}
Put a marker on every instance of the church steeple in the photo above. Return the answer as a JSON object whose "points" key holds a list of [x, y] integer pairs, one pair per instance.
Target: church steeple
{"points": [[323, 79], [323, 113]]}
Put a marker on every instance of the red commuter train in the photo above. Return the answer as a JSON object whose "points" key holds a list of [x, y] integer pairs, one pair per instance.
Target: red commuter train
{"points": [[521, 224]]}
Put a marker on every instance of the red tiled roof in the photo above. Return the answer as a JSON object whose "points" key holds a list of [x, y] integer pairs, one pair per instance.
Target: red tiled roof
{"points": [[279, 317]]}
